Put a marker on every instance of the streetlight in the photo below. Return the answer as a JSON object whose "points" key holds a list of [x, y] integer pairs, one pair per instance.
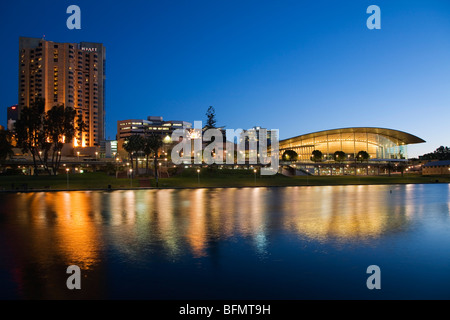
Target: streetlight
{"points": [[254, 171], [67, 174], [131, 178], [198, 175], [115, 166], [78, 155], [96, 155]]}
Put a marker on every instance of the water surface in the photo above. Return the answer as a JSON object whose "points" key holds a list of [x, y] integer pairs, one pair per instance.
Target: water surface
{"points": [[234, 243]]}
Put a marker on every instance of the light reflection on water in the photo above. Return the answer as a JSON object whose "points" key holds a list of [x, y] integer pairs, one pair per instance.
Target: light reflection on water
{"points": [[118, 232]]}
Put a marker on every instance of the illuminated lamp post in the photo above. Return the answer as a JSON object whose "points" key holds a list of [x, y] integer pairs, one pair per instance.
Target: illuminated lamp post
{"points": [[198, 176], [131, 178], [117, 171], [254, 171], [67, 174]]}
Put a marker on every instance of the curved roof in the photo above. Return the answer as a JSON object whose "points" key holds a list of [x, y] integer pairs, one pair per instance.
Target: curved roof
{"points": [[404, 137]]}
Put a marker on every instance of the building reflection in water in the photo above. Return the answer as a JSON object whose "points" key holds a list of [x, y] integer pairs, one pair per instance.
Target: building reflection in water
{"points": [[46, 232], [344, 213]]}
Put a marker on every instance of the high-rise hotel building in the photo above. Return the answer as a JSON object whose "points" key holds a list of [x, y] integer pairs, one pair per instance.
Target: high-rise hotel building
{"points": [[72, 74]]}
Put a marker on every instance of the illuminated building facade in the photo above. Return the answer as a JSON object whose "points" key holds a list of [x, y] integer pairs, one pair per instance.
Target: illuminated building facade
{"points": [[153, 125], [72, 74], [441, 167], [379, 143]]}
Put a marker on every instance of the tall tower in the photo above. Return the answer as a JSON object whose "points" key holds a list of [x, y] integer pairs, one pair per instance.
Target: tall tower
{"points": [[66, 73]]}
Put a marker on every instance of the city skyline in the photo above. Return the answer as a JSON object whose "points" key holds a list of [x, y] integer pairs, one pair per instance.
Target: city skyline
{"points": [[221, 157], [289, 66]]}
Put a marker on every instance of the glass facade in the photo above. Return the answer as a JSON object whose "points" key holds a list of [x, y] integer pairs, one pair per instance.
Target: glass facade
{"points": [[380, 144]]}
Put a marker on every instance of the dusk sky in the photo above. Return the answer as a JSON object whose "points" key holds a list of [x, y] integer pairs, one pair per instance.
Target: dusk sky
{"points": [[297, 66]]}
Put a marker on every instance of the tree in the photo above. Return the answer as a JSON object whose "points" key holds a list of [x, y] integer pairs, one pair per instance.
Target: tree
{"points": [[441, 153], [401, 166], [133, 144], [59, 127], [339, 156], [317, 156], [29, 130], [153, 144], [43, 134], [389, 166], [5, 145], [362, 156], [211, 118], [147, 152], [81, 127], [289, 155]]}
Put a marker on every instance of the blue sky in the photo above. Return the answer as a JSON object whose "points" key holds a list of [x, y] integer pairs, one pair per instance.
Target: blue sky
{"points": [[297, 66]]}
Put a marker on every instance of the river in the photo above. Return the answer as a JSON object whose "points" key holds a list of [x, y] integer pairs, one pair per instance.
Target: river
{"points": [[230, 243]]}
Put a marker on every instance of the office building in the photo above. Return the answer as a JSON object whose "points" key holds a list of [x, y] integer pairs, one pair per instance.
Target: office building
{"points": [[153, 125]]}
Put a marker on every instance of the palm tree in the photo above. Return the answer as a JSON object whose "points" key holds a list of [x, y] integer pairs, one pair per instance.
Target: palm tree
{"points": [[134, 144], [152, 145], [60, 128], [147, 151]]}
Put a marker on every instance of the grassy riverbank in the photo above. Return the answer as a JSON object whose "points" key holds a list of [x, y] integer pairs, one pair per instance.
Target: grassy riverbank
{"points": [[206, 178]]}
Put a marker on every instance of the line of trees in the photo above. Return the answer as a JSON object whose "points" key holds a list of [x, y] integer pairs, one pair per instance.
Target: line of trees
{"points": [[339, 156], [148, 145], [317, 156], [44, 133], [441, 153]]}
